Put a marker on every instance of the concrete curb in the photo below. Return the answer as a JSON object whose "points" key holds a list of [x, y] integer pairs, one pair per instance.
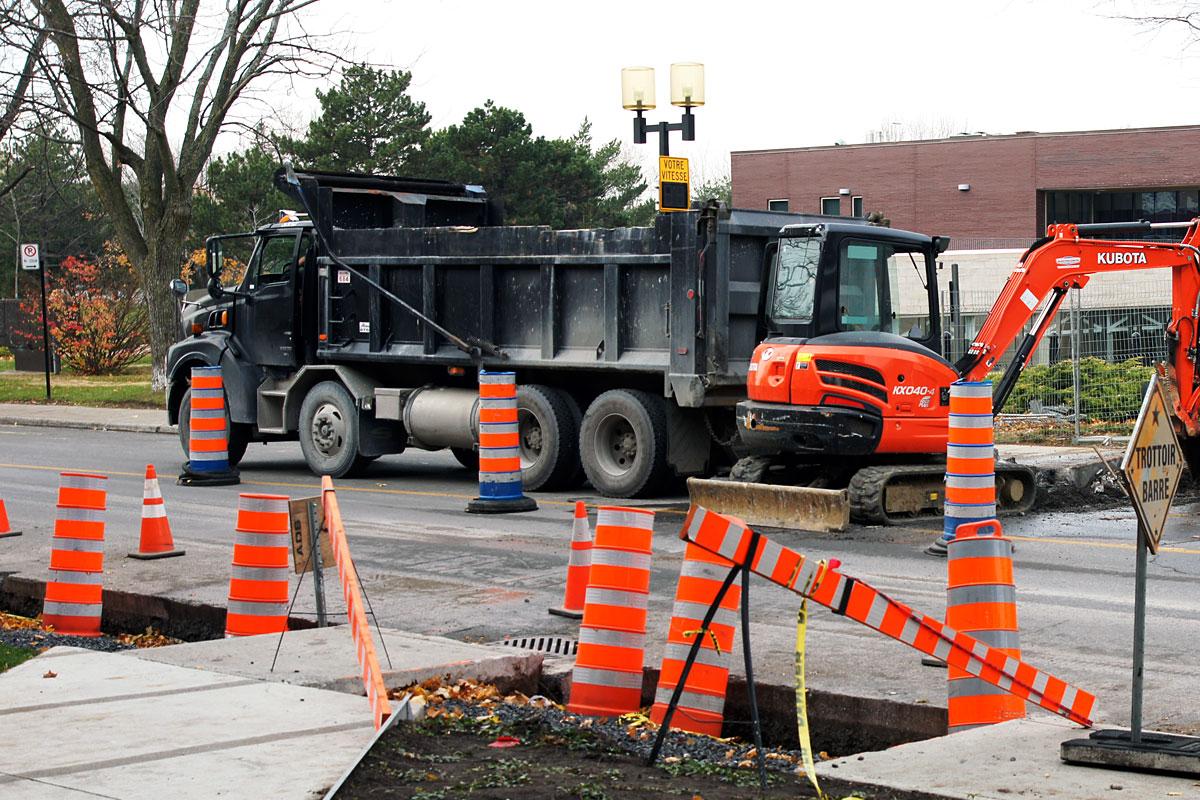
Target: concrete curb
{"points": [[123, 427]]}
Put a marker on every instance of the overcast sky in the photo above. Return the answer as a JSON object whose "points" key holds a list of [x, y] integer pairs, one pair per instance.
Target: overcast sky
{"points": [[781, 74]]}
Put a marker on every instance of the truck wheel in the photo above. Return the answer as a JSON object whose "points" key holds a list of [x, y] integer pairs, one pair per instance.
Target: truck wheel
{"points": [[623, 443], [548, 437], [238, 434], [329, 431], [466, 456]]}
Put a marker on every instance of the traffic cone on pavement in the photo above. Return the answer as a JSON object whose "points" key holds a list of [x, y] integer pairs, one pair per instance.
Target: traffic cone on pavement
{"points": [[156, 539], [578, 566], [5, 530]]}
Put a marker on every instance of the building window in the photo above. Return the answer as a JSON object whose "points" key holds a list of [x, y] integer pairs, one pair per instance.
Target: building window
{"points": [[777, 205], [856, 207], [1082, 207], [831, 206]]}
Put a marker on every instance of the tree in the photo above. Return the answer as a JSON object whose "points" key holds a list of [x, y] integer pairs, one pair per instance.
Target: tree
{"points": [[914, 129], [564, 183], [238, 194], [368, 123], [51, 203], [719, 187], [118, 70], [95, 313]]}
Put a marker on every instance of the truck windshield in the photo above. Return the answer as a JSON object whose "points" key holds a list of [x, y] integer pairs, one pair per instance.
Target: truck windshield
{"points": [[881, 287], [795, 279]]}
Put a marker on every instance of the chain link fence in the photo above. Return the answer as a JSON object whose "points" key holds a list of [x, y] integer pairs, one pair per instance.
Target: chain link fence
{"points": [[1089, 372]]}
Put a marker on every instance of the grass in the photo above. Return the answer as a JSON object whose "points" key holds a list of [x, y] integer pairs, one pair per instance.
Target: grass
{"points": [[129, 389], [11, 656]]}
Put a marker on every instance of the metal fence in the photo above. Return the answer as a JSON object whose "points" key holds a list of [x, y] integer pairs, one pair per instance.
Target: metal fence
{"points": [[1090, 371]]}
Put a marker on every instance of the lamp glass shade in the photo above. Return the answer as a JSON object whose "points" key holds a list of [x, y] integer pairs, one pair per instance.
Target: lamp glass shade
{"points": [[687, 84], [637, 88]]}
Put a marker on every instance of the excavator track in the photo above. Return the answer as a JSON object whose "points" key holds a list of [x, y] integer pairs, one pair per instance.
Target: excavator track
{"points": [[888, 495]]}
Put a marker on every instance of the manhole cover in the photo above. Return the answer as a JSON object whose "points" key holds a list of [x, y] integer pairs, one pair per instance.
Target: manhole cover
{"points": [[554, 645]]}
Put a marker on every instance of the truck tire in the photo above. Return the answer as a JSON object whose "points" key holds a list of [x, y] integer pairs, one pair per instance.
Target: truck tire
{"points": [[239, 434], [468, 457], [548, 437], [329, 431], [623, 443]]}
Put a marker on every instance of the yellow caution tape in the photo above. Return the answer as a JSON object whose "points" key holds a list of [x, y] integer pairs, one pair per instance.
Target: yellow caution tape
{"points": [[810, 769], [711, 634], [806, 751]]}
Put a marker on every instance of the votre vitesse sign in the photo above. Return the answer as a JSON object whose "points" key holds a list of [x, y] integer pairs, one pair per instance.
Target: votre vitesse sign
{"points": [[1152, 465]]}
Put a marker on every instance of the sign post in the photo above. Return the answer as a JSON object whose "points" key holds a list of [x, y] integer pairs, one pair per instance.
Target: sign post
{"points": [[312, 548], [31, 259], [1151, 469]]}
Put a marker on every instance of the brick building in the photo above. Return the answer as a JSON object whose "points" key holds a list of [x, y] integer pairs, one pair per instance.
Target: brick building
{"points": [[984, 191]]}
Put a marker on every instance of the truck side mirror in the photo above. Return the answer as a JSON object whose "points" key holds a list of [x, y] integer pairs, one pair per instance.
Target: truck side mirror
{"points": [[212, 265], [179, 287]]}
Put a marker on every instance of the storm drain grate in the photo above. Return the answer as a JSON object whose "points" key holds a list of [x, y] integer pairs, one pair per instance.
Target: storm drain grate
{"points": [[554, 645]]}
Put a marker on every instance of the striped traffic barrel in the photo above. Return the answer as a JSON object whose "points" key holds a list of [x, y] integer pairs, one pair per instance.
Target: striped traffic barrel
{"points": [[982, 601], [208, 440], [500, 486], [75, 589], [208, 432], [970, 457], [258, 586], [701, 706], [607, 679]]}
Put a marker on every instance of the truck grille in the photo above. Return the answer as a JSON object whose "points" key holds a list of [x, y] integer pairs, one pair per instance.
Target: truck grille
{"points": [[853, 376]]}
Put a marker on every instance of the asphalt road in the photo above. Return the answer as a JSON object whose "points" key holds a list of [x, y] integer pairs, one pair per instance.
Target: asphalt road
{"points": [[431, 568]]}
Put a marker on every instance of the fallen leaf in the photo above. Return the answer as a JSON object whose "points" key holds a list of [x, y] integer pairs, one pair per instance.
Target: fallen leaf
{"points": [[505, 741]]}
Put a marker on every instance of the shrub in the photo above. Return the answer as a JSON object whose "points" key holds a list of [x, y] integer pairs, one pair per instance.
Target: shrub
{"points": [[96, 313], [1106, 390]]}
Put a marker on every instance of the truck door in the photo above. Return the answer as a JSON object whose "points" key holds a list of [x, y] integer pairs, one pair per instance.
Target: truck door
{"points": [[267, 318]]}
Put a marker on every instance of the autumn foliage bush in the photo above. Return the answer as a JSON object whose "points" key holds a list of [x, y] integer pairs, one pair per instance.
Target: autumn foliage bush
{"points": [[96, 313]]}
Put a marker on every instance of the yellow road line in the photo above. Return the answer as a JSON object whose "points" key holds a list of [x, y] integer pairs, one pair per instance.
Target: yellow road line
{"points": [[1095, 543], [317, 487]]}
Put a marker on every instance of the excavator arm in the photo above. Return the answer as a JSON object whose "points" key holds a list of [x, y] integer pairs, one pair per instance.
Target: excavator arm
{"points": [[1064, 260]]}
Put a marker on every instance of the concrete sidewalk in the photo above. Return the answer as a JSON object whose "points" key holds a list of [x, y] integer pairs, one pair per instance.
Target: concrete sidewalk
{"points": [[133, 420], [77, 723], [323, 658], [1015, 759]]}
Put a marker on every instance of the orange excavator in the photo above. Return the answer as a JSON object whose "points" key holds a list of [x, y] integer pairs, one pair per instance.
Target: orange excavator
{"points": [[847, 389]]}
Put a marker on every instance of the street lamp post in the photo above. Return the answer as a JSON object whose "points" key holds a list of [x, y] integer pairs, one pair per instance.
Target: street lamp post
{"points": [[687, 92]]}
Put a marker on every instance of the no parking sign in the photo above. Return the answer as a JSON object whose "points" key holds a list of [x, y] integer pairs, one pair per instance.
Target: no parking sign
{"points": [[30, 258]]}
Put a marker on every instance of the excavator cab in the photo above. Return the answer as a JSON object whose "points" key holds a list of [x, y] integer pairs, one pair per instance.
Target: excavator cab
{"points": [[852, 333]]}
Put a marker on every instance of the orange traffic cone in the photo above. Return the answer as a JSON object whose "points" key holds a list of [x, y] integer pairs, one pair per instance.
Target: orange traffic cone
{"points": [[156, 531], [5, 531], [578, 566]]}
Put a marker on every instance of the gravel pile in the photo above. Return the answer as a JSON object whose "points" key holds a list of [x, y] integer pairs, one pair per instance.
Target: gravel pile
{"points": [[631, 734], [40, 640]]}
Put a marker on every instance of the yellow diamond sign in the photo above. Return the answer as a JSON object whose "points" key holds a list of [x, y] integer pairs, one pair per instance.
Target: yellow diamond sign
{"points": [[1152, 465]]}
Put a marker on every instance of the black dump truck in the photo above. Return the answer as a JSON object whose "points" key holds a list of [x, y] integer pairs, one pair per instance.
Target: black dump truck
{"points": [[358, 328]]}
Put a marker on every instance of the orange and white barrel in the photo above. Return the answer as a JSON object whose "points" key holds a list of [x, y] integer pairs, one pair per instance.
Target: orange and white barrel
{"points": [[970, 457], [74, 592], [607, 679], [258, 587], [208, 439], [981, 601], [701, 706], [501, 489]]}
